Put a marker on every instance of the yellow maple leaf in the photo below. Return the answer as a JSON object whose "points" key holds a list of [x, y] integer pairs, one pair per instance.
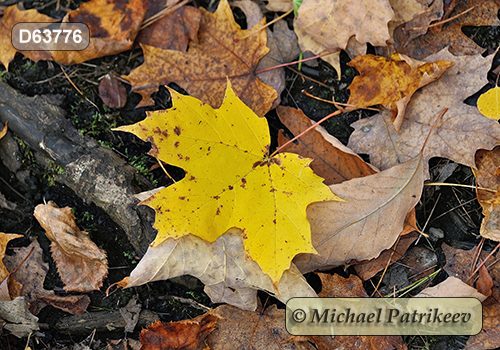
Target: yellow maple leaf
{"points": [[231, 181], [489, 103]]}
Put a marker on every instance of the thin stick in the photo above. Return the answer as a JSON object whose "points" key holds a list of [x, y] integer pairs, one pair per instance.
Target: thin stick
{"points": [[166, 11], [386, 266], [481, 265], [458, 185], [446, 20], [295, 62], [76, 88], [338, 103], [267, 25], [309, 78], [165, 170], [305, 131], [477, 254]]}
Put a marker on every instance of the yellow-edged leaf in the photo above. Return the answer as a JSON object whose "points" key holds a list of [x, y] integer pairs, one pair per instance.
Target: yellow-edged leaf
{"points": [[230, 180], [489, 103]]}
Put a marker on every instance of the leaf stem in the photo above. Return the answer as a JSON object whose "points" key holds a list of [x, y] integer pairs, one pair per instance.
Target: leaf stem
{"points": [[305, 131], [295, 62]]}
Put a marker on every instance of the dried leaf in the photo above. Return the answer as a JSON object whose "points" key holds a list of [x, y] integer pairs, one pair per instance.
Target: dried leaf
{"points": [[488, 176], [457, 135], [113, 25], [458, 261], [112, 92], [489, 337], [483, 13], [73, 304], [484, 282], [182, 335], [368, 222], [331, 159], [279, 5], [405, 11], [391, 82], [20, 322], [451, 287], [332, 22], [6, 292], [237, 328], [80, 263], [130, 314], [208, 201], [4, 130], [368, 269], [31, 274], [11, 17], [173, 31], [221, 266], [203, 70], [489, 103]]}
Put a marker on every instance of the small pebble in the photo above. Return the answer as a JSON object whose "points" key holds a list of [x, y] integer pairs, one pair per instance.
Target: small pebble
{"points": [[436, 233]]}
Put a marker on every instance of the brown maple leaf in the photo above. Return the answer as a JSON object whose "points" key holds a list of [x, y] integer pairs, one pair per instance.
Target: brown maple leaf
{"points": [[203, 71]]}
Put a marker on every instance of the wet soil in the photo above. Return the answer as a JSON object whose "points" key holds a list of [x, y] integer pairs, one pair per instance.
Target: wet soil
{"points": [[454, 210]]}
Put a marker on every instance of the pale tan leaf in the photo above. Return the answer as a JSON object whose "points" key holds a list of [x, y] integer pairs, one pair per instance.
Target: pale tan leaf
{"points": [[451, 287], [368, 222], [221, 266]]}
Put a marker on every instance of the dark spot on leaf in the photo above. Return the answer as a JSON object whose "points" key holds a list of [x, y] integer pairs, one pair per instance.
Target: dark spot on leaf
{"points": [[182, 198], [274, 221], [176, 144], [272, 190], [180, 156], [230, 187], [177, 130], [243, 183], [192, 178], [276, 161], [218, 211], [216, 197]]}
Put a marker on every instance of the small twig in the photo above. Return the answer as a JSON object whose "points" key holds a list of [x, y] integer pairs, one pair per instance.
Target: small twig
{"points": [[165, 170], [481, 265], [295, 62], [303, 76], [477, 254], [194, 304], [265, 26], [459, 185], [446, 20], [166, 11], [305, 131], [336, 104], [76, 88]]}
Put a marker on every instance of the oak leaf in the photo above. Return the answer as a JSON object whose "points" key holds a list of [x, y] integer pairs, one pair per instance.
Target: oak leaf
{"points": [[370, 220], [332, 22], [457, 135], [228, 170], [81, 264], [488, 182], [470, 13], [202, 71], [391, 82]]}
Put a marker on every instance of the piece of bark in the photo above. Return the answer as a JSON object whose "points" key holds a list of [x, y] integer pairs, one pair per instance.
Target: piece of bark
{"points": [[102, 321], [95, 173]]}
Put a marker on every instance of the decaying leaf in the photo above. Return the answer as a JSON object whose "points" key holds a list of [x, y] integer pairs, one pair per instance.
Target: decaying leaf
{"points": [[489, 337], [173, 31], [482, 13], [279, 5], [335, 286], [457, 135], [331, 159], [203, 70], [237, 329], [405, 11], [11, 17], [81, 264], [30, 273], [20, 322], [228, 169], [488, 177], [182, 335], [332, 22], [451, 287], [459, 261], [369, 221], [221, 266], [73, 304], [10, 288], [391, 82], [112, 92], [113, 25]]}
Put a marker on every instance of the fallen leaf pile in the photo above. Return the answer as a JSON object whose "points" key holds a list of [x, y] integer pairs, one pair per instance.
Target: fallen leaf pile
{"points": [[245, 219]]}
